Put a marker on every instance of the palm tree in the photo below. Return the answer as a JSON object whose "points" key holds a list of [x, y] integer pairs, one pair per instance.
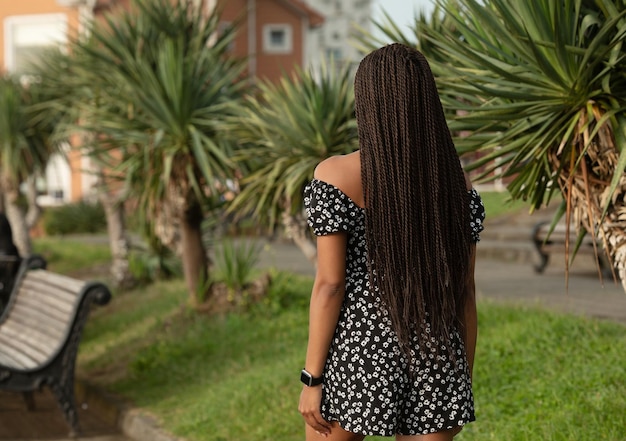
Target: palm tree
{"points": [[25, 148], [60, 71], [161, 83], [57, 72], [283, 132], [540, 87]]}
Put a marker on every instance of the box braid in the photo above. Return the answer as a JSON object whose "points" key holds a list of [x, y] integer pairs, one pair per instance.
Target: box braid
{"points": [[416, 202]]}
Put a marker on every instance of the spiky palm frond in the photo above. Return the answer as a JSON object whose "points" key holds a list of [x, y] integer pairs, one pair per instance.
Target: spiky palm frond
{"points": [[161, 82], [527, 80], [285, 131], [538, 90], [25, 134]]}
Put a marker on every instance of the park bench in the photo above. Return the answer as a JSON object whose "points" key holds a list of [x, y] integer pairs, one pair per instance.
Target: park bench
{"points": [[40, 330], [555, 243]]}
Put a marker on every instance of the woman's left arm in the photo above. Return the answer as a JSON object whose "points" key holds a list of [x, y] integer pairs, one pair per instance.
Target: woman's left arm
{"points": [[470, 319], [326, 300], [470, 315]]}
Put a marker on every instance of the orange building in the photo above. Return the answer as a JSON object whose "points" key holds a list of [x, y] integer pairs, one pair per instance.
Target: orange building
{"points": [[274, 35], [28, 28]]}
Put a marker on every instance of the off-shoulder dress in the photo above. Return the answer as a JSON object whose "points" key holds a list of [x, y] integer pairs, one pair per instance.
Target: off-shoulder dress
{"points": [[366, 388]]}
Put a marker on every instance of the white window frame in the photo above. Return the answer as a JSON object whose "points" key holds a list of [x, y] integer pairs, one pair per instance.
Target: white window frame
{"points": [[57, 179], [11, 22], [270, 48]]}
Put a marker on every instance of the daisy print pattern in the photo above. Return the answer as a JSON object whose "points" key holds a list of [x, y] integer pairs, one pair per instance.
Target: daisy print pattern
{"points": [[367, 388]]}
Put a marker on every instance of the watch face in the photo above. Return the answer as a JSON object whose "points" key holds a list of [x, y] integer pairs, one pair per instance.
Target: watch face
{"points": [[309, 379], [306, 378]]}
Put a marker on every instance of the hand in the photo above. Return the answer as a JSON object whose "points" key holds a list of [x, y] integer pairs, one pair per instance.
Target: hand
{"points": [[309, 407]]}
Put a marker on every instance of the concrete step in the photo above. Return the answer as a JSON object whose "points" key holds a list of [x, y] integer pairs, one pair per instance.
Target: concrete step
{"points": [[508, 233], [507, 251]]}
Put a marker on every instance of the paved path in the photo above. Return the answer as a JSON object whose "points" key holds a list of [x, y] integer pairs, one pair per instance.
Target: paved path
{"points": [[504, 272], [583, 295], [507, 274]]}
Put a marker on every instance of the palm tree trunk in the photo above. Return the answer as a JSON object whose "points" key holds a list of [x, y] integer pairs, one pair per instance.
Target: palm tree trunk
{"points": [[616, 239], [193, 254], [167, 228], [612, 230], [17, 219], [296, 229], [588, 189], [34, 210], [118, 242]]}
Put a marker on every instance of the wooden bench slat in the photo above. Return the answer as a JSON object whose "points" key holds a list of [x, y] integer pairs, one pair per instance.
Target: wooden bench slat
{"points": [[28, 342], [21, 360], [22, 309], [15, 352], [40, 322], [45, 304], [45, 337], [7, 359], [9, 362], [37, 301], [44, 307], [51, 297], [48, 279], [64, 284], [60, 294]]}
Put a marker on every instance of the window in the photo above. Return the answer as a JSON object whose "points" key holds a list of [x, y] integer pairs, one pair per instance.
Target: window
{"points": [[277, 39], [334, 54], [27, 36]]}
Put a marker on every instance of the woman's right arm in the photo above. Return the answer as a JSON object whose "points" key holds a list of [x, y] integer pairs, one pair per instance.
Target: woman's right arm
{"points": [[326, 300]]}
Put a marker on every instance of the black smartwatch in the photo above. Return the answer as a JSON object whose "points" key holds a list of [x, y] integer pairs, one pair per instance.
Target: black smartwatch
{"points": [[310, 380]]}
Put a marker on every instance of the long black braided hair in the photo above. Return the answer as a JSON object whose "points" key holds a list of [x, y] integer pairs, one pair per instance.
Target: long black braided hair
{"points": [[416, 202]]}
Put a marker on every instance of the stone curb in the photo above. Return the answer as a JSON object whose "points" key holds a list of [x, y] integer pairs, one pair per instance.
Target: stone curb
{"points": [[133, 423]]}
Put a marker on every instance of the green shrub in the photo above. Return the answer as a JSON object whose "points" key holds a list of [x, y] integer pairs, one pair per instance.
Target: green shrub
{"points": [[74, 218], [287, 291], [149, 263], [235, 262]]}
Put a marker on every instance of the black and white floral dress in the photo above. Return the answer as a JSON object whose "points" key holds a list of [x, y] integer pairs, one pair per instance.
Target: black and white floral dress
{"points": [[366, 386]]}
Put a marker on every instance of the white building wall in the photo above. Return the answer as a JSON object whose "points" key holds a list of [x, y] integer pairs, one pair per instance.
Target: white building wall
{"points": [[336, 37], [25, 38], [57, 185]]}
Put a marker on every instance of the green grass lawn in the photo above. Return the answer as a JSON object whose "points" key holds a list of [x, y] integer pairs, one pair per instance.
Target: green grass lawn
{"points": [[539, 375], [499, 203], [73, 254]]}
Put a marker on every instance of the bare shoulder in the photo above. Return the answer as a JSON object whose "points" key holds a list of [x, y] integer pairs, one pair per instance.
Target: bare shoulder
{"points": [[343, 172], [329, 170]]}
